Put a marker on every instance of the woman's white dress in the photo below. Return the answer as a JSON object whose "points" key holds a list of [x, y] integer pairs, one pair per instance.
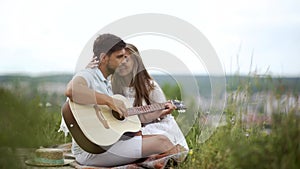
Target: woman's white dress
{"points": [[166, 126]]}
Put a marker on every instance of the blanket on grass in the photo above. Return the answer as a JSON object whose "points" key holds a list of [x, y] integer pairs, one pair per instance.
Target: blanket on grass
{"points": [[152, 162], [160, 161]]}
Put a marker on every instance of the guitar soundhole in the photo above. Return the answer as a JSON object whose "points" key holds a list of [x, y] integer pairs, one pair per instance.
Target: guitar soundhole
{"points": [[116, 115]]}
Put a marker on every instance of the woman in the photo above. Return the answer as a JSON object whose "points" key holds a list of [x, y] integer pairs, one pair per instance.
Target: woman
{"points": [[132, 80]]}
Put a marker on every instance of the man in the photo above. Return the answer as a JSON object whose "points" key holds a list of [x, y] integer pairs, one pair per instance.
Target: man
{"points": [[83, 89], [90, 86]]}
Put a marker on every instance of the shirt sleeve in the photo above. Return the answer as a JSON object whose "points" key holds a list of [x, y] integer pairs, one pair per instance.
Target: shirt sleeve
{"points": [[86, 76]]}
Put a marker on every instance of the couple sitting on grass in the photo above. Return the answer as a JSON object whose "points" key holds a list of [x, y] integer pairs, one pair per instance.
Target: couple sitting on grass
{"points": [[159, 136]]}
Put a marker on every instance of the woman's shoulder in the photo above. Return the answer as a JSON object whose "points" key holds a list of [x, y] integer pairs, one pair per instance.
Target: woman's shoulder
{"points": [[154, 86], [154, 83]]}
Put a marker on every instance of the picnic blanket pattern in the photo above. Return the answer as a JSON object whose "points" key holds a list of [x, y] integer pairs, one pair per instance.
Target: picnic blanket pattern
{"points": [[152, 162]]}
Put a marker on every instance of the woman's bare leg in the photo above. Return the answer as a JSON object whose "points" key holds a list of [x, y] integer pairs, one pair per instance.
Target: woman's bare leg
{"points": [[155, 144]]}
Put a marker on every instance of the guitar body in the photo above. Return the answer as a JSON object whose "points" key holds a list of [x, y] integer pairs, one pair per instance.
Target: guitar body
{"points": [[94, 131]]}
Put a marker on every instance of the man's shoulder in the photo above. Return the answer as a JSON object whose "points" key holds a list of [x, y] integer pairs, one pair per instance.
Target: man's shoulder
{"points": [[91, 74], [86, 72]]}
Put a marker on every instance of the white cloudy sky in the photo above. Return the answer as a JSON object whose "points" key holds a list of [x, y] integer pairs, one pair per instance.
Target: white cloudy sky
{"points": [[48, 36]]}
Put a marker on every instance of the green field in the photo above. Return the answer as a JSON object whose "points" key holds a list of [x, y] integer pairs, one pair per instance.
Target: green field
{"points": [[30, 117]]}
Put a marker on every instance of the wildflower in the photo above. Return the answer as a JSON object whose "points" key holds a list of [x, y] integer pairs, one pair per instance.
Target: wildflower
{"points": [[232, 121], [191, 152], [48, 104]]}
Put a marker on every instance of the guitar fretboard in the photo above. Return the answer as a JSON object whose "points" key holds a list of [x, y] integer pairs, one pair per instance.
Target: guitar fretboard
{"points": [[145, 109]]}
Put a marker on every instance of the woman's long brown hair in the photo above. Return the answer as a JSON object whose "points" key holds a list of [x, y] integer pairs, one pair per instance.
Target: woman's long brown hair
{"points": [[141, 80]]}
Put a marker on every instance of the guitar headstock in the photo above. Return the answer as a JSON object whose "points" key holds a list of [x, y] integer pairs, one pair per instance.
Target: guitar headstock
{"points": [[179, 105]]}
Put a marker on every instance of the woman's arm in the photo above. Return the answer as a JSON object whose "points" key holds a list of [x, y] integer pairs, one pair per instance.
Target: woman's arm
{"points": [[157, 96]]}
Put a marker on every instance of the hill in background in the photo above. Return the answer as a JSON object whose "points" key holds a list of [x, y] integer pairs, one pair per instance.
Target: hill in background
{"points": [[57, 83]]}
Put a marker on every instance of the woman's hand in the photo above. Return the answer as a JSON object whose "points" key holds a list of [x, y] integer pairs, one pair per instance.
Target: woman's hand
{"points": [[149, 117], [169, 107], [93, 63]]}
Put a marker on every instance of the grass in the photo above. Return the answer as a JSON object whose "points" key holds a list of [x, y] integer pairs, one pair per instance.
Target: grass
{"points": [[242, 145], [25, 124], [232, 146]]}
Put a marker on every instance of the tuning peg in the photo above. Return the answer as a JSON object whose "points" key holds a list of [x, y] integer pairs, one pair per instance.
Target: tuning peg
{"points": [[181, 111]]}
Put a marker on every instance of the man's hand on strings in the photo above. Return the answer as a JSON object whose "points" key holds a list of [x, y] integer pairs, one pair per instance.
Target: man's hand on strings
{"points": [[119, 106]]}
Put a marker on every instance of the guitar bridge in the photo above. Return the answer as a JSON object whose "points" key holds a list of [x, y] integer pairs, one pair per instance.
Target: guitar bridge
{"points": [[100, 116]]}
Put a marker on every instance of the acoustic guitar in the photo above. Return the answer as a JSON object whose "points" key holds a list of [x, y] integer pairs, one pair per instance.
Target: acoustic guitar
{"points": [[96, 127]]}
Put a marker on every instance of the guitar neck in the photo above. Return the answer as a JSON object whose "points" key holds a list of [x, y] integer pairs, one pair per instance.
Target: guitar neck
{"points": [[145, 109]]}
